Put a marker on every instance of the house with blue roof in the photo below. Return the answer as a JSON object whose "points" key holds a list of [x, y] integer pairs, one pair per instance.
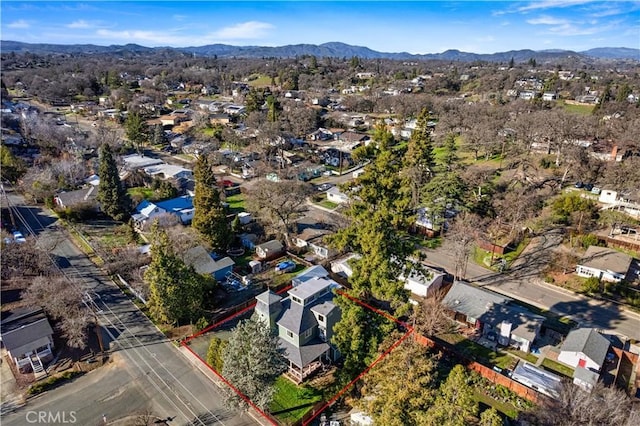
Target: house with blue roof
{"points": [[181, 207]]}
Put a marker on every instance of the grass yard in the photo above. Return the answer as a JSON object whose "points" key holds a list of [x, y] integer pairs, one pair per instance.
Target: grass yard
{"points": [[328, 204], [502, 407], [478, 352], [291, 402], [259, 80], [140, 192], [236, 203], [279, 280], [556, 367], [531, 358], [579, 109]]}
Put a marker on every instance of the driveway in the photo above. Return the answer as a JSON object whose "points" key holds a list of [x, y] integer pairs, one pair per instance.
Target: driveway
{"points": [[10, 396]]}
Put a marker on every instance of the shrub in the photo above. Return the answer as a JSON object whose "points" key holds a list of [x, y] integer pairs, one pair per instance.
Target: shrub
{"points": [[589, 240], [591, 285], [53, 382], [201, 324]]}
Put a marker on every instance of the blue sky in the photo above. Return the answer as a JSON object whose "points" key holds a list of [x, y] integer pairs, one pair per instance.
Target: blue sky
{"points": [[412, 26]]}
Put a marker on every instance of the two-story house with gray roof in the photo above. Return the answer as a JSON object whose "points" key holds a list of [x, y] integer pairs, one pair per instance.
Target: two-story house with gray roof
{"points": [[304, 322]]}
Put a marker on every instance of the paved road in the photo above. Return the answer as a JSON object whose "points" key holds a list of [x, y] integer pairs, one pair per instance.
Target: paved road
{"points": [[523, 282], [149, 373]]}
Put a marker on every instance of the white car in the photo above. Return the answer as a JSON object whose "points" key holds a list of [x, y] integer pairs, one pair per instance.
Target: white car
{"points": [[18, 237]]}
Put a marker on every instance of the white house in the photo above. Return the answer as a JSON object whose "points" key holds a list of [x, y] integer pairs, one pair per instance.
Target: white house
{"points": [[423, 283], [604, 263], [168, 171], [336, 196], [342, 266], [585, 348]]}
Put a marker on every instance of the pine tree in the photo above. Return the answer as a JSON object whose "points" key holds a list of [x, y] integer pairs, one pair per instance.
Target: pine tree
{"points": [[136, 130], [455, 404], [252, 361], [176, 290], [419, 160], [215, 352], [113, 197], [209, 217]]}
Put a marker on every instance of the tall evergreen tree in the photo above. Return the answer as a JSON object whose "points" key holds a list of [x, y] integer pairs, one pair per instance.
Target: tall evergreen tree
{"points": [[379, 216], [419, 160], [176, 290], [455, 404], [112, 195], [209, 217], [136, 130], [252, 361]]}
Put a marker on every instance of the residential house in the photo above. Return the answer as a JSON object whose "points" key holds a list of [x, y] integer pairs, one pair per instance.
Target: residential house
{"points": [[604, 263], [85, 196], [28, 338], [304, 321], [336, 196], [168, 171], [313, 240], [219, 118], [343, 265], [181, 207], [626, 202], [549, 96], [270, 250], [137, 161], [424, 282], [493, 315], [527, 95], [204, 264], [316, 271], [584, 378], [354, 137], [586, 348]]}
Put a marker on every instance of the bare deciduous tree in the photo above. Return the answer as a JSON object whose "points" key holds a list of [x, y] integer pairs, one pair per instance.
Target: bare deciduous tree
{"points": [[279, 203], [431, 316], [574, 406]]}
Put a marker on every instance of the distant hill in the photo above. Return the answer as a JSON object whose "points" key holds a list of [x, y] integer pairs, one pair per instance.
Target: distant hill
{"points": [[332, 49]]}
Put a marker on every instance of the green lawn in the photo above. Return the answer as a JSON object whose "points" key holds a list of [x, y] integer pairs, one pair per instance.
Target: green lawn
{"points": [[236, 202], [260, 81], [140, 192], [579, 109], [503, 407], [328, 204], [281, 279], [557, 367], [478, 352], [526, 356], [291, 402]]}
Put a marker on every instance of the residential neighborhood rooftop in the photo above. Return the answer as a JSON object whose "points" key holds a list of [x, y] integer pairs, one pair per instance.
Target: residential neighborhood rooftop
{"points": [[606, 259], [589, 342]]}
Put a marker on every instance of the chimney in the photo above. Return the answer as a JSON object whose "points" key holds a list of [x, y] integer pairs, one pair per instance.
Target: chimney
{"points": [[614, 152]]}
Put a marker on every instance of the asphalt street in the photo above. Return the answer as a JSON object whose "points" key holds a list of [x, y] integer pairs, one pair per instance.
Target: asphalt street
{"points": [[148, 375], [523, 282]]}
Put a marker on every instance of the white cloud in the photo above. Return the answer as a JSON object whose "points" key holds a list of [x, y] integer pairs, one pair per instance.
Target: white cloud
{"points": [[140, 36], [245, 30], [551, 4], [78, 24], [547, 20], [179, 17], [21, 23]]}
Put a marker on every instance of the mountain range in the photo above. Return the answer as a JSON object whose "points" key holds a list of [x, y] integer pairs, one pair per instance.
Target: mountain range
{"points": [[332, 49]]}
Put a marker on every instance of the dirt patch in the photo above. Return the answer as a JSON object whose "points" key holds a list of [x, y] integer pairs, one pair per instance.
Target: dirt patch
{"points": [[568, 281]]}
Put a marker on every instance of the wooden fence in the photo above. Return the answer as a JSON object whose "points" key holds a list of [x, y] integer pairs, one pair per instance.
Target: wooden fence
{"points": [[486, 372]]}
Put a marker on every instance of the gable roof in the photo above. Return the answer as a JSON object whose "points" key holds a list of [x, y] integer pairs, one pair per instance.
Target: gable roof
{"points": [[589, 342], [24, 327], [200, 259], [84, 195], [203, 263], [606, 259], [268, 297], [176, 205], [472, 301], [272, 246], [316, 271]]}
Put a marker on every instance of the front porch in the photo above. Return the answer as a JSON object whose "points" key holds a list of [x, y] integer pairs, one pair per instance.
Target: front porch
{"points": [[298, 375]]}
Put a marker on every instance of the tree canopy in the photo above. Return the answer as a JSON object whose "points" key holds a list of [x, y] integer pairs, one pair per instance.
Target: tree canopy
{"points": [[112, 195], [209, 217], [252, 361]]}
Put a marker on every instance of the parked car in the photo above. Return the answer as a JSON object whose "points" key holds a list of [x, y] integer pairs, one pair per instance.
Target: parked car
{"points": [[18, 237], [286, 266], [324, 187], [588, 186], [579, 184]]}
